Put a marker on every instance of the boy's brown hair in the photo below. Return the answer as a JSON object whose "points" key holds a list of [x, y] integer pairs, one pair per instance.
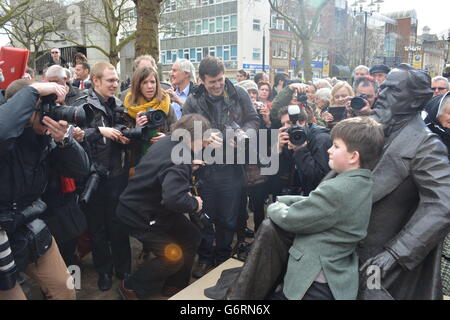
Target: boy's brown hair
{"points": [[362, 134]]}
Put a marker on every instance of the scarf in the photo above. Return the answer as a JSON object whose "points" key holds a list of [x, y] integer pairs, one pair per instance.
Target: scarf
{"points": [[144, 105]]}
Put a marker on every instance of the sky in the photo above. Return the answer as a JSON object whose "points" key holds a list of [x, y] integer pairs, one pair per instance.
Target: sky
{"points": [[431, 13]]}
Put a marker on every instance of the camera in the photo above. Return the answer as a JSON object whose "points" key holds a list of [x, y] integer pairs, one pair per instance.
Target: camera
{"points": [[240, 136], [134, 133], [200, 219], [297, 135], [98, 172], [80, 116], [156, 118], [8, 269], [359, 102]]}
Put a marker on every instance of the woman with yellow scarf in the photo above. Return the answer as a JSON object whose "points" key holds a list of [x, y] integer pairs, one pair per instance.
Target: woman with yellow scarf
{"points": [[145, 94]]}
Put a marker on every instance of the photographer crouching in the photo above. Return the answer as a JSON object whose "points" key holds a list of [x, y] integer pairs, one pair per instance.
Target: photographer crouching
{"points": [[30, 137], [152, 208]]}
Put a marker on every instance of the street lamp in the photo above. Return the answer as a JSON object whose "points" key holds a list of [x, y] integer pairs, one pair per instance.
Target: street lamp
{"points": [[264, 48], [367, 11]]}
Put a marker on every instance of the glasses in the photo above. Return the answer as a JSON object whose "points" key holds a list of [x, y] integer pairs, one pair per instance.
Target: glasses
{"points": [[439, 89]]}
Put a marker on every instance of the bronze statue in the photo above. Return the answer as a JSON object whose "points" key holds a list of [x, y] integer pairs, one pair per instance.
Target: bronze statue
{"points": [[411, 204]]}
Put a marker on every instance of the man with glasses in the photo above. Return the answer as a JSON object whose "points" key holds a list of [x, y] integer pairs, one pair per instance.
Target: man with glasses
{"points": [[57, 59], [110, 243], [368, 91], [440, 85]]}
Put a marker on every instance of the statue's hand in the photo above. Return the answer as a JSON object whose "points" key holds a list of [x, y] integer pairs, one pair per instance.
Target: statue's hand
{"points": [[385, 261]]}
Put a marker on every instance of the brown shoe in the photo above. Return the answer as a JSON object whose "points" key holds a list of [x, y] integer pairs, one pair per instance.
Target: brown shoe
{"points": [[125, 293], [169, 291]]}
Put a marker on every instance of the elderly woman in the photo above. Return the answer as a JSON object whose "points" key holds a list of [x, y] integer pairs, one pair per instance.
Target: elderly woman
{"points": [[438, 121], [323, 100], [341, 94]]}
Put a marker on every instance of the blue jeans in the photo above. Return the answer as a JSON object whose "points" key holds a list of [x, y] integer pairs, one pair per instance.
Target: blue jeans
{"points": [[221, 196]]}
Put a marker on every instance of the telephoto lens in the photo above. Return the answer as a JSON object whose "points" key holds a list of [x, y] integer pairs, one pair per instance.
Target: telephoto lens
{"points": [[8, 269], [297, 135]]}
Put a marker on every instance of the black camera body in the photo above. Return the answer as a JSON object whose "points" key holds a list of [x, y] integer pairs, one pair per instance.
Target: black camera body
{"points": [[98, 172], [156, 118], [139, 133], [80, 115], [297, 135], [359, 102]]}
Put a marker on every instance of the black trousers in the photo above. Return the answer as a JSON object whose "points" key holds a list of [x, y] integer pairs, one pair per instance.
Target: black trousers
{"points": [[174, 241], [110, 242], [317, 291]]}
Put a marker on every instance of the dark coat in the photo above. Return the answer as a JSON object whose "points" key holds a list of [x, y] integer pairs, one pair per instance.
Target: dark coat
{"points": [[158, 189], [411, 211]]}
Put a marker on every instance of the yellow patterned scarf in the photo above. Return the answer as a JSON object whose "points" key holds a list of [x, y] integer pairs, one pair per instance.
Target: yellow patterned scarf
{"points": [[144, 105]]}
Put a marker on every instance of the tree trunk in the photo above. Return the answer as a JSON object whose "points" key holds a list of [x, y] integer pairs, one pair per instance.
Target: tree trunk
{"points": [[307, 59], [147, 39]]}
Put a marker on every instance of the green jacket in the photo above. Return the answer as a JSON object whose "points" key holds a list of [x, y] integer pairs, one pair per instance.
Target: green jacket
{"points": [[328, 226]]}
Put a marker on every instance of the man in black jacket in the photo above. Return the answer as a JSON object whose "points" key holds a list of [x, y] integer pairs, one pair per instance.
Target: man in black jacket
{"points": [[222, 103], [110, 244], [311, 158], [27, 143], [152, 208]]}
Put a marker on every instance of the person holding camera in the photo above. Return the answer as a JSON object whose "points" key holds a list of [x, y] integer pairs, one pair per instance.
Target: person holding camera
{"points": [[145, 97], [339, 109], [225, 106], [366, 95], [109, 176], [152, 209], [29, 140], [304, 145]]}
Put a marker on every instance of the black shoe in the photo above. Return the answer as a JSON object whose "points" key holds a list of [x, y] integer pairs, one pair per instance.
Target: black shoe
{"points": [[249, 233], [104, 282], [201, 269], [122, 276]]}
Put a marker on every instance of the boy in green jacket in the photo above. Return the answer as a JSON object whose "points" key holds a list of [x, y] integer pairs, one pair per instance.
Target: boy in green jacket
{"points": [[329, 223]]}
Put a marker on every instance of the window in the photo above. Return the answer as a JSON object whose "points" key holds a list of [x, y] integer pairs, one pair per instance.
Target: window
{"points": [[205, 52], [199, 54], [186, 54], [212, 25], [192, 55], [198, 27], [234, 52], [233, 24], [212, 51], [180, 54], [226, 53], [256, 53], [219, 24], [169, 56], [257, 24], [204, 26], [191, 28], [163, 57], [226, 23], [219, 52], [174, 56]]}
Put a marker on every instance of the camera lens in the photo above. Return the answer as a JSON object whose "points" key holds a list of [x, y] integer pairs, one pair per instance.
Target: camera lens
{"points": [[357, 103]]}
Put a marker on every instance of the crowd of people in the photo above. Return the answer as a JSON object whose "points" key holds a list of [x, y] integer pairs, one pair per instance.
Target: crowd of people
{"points": [[363, 179]]}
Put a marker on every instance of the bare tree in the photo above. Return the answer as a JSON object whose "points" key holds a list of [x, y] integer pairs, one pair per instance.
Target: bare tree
{"points": [[147, 27], [9, 11], [302, 17], [31, 29]]}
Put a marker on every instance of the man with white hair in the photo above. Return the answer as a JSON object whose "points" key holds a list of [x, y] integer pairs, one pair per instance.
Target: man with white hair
{"points": [[182, 78], [58, 75], [439, 85]]}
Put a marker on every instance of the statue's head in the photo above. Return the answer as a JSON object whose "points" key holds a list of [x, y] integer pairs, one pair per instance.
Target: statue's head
{"points": [[404, 92]]}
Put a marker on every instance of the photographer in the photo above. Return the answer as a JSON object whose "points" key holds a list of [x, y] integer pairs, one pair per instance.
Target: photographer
{"points": [[307, 148], [366, 95], [110, 244], [28, 142], [222, 103], [147, 96], [152, 208]]}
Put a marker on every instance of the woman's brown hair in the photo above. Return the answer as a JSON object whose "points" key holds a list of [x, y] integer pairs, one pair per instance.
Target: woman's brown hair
{"points": [[138, 77]]}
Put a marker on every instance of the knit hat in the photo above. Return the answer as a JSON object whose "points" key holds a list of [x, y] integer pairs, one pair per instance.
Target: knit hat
{"points": [[248, 85], [379, 68]]}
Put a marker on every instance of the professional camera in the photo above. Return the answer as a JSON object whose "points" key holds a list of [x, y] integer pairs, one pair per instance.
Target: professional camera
{"points": [[98, 172], [8, 269], [156, 118], [359, 102], [80, 116], [198, 218], [297, 133], [135, 133]]}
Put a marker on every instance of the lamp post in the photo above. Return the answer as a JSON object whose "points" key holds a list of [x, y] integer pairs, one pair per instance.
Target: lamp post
{"points": [[367, 11], [264, 48]]}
